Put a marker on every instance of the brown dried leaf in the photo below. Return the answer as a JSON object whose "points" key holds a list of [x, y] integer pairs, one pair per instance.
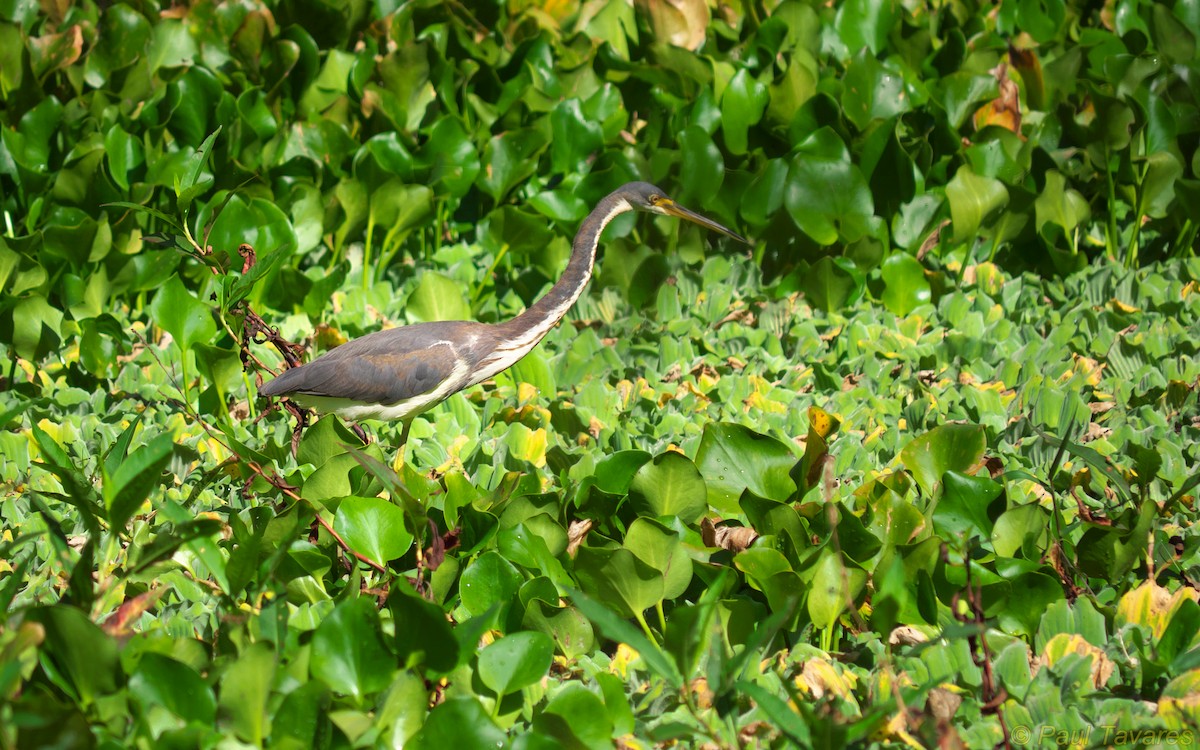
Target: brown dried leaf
{"points": [[1005, 109], [732, 538], [118, 622], [932, 240], [576, 533], [906, 635]]}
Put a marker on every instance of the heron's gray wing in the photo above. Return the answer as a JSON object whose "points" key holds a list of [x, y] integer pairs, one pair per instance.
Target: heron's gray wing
{"points": [[374, 376]]}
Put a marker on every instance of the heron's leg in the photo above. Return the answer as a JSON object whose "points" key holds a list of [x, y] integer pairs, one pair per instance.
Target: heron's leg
{"points": [[403, 442]]}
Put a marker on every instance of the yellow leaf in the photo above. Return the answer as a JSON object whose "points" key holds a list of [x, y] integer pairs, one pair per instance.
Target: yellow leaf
{"points": [[820, 677], [1153, 606], [622, 660], [1063, 644], [1179, 706]]}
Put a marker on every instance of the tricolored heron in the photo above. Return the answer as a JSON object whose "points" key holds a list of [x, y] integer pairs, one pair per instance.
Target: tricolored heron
{"points": [[401, 372]]}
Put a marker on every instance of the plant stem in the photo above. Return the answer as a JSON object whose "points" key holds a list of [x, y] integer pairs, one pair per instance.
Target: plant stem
{"points": [[645, 626]]}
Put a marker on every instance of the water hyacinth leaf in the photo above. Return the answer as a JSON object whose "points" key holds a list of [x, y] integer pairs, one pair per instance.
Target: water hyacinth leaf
{"points": [[834, 587], [244, 689], [948, 447], [615, 628], [162, 681], [669, 485], [488, 581], [906, 285], [616, 471], [1031, 594], [299, 717], [179, 313], [437, 297], [873, 91], [576, 137], [82, 653], [257, 222], [1060, 205], [1111, 552], [826, 194], [619, 579], [832, 283], [743, 103], [421, 633], [509, 159], [703, 168], [348, 651], [1023, 529], [576, 717], [460, 723], [451, 157], [973, 199], [963, 507], [866, 23], [36, 327], [764, 197], [566, 626], [732, 458], [961, 91], [662, 549], [515, 661], [373, 527], [1158, 186]]}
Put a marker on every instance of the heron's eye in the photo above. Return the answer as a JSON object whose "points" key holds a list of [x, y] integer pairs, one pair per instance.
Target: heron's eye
{"points": [[655, 199]]}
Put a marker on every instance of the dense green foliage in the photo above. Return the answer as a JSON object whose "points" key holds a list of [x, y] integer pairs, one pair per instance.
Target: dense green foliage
{"points": [[919, 468]]}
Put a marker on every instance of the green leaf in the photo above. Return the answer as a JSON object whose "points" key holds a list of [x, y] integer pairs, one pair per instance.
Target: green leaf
{"points": [[873, 90], [460, 723], [826, 194], [422, 634], [615, 472], [160, 681], [963, 506], [779, 712], [437, 297], [1021, 529], [488, 581], [661, 549], [80, 651], [137, 475], [866, 23], [669, 485], [743, 103], [176, 311], [576, 717], [948, 447], [576, 137], [732, 458], [702, 169], [972, 200], [619, 579], [1060, 205], [509, 159], [617, 629], [833, 589], [348, 653], [373, 527], [515, 661], [906, 285]]}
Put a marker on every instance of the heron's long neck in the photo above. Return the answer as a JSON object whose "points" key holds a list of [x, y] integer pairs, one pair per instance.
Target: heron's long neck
{"points": [[528, 328]]}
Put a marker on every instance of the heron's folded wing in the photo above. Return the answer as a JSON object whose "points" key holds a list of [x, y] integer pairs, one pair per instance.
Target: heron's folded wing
{"points": [[370, 378]]}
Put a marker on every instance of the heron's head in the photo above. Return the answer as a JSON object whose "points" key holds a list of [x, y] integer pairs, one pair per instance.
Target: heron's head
{"points": [[643, 196]]}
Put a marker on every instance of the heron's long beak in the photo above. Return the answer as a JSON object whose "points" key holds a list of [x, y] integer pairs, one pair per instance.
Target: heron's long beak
{"points": [[671, 208]]}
